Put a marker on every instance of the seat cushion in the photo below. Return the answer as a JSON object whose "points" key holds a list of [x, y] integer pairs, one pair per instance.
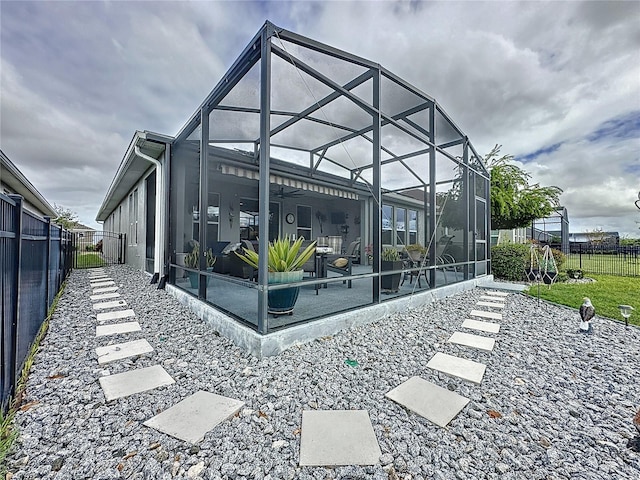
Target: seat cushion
{"points": [[340, 262]]}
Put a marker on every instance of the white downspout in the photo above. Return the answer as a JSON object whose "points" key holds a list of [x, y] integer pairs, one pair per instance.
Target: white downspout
{"points": [[160, 217]]}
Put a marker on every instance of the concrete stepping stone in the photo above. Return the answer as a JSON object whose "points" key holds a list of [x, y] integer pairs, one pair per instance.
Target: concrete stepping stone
{"points": [[134, 381], [105, 290], [497, 293], [116, 315], [474, 341], [103, 284], [436, 404], [490, 304], [105, 305], [193, 417], [489, 327], [104, 296], [458, 367], [115, 328], [492, 299], [483, 314], [118, 351], [337, 437]]}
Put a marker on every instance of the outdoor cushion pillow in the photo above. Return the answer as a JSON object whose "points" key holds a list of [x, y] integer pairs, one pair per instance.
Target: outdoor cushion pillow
{"points": [[232, 247], [340, 262]]}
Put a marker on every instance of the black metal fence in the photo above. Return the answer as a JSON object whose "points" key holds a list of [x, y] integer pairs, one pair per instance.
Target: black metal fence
{"points": [[35, 258], [604, 259], [96, 249]]}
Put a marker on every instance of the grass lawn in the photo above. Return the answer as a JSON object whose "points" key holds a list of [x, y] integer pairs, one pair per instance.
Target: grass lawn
{"points": [[605, 294], [89, 260]]}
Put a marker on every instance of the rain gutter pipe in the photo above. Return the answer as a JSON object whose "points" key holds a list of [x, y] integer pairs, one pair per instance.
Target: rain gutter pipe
{"points": [[160, 217]]}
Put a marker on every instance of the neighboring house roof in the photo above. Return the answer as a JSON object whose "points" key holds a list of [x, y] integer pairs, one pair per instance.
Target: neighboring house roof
{"points": [[15, 182], [82, 228], [132, 168]]}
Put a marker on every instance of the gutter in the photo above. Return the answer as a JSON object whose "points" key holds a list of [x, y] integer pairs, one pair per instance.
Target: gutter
{"points": [[160, 214]]}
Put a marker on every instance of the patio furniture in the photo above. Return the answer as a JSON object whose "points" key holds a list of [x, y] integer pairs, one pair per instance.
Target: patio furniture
{"points": [[325, 261]]}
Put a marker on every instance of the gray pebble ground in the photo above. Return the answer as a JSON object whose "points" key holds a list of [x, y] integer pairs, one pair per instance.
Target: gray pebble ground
{"points": [[566, 400]]}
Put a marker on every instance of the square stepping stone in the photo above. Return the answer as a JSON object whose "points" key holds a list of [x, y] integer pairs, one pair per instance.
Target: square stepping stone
{"points": [[116, 315], [105, 305], [490, 304], [497, 293], [483, 314], [193, 417], [474, 341], [134, 381], [482, 326], [493, 299], [119, 351], [115, 328], [436, 404], [102, 284], [105, 290], [458, 367], [337, 437], [104, 296]]}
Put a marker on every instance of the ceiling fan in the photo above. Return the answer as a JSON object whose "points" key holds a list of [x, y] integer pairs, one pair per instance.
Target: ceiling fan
{"points": [[281, 193]]}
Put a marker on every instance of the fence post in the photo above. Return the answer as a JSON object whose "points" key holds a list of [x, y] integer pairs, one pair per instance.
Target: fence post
{"points": [[16, 317], [47, 286], [580, 254]]}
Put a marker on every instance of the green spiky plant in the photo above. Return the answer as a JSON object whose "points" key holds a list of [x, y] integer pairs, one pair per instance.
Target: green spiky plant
{"points": [[284, 255]]}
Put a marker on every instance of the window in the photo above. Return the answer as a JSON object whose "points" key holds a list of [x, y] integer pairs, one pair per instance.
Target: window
{"points": [[304, 221], [213, 218], [413, 226], [401, 234], [387, 225]]}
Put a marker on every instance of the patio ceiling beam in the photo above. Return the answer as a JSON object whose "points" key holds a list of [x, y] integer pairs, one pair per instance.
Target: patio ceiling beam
{"points": [[451, 122], [367, 129], [287, 57], [359, 80], [452, 143], [314, 168], [404, 189], [416, 91], [292, 37]]}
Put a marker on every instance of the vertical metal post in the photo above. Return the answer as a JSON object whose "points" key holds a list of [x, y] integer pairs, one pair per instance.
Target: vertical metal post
{"points": [[204, 200], [432, 195], [377, 193], [265, 152], [47, 287], [468, 189], [15, 321]]}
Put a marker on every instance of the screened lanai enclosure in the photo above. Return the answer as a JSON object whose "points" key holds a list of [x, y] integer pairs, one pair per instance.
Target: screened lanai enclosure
{"points": [[300, 139]]}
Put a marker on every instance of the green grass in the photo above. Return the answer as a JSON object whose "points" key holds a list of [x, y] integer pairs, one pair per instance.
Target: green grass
{"points": [[605, 294], [89, 260], [596, 263], [8, 430]]}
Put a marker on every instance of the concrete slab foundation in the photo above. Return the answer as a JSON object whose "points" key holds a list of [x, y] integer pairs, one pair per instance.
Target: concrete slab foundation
{"points": [[436, 404], [193, 417], [338, 437]]}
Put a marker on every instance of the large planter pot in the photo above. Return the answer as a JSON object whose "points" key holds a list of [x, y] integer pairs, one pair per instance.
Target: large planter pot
{"points": [[549, 277], [193, 279], [531, 275], [390, 283], [281, 301]]}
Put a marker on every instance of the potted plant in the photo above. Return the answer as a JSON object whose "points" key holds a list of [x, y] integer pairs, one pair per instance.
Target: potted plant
{"points": [[548, 270], [415, 251], [192, 260], [390, 260], [284, 266]]}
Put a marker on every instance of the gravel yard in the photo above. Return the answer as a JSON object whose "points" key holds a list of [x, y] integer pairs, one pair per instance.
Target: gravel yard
{"points": [[553, 403]]}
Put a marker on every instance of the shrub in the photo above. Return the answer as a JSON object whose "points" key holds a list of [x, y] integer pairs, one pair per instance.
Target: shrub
{"points": [[508, 261], [559, 257]]}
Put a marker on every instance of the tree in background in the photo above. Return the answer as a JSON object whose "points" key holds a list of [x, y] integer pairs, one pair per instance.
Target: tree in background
{"points": [[66, 218], [515, 203]]}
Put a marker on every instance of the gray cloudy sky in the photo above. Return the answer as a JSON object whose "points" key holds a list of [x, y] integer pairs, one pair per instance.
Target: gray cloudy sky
{"points": [[556, 83]]}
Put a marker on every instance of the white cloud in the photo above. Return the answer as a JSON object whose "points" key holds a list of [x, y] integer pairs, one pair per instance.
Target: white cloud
{"points": [[78, 79]]}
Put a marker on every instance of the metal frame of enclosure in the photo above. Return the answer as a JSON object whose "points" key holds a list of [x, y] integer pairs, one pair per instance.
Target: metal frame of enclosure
{"points": [[355, 137]]}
